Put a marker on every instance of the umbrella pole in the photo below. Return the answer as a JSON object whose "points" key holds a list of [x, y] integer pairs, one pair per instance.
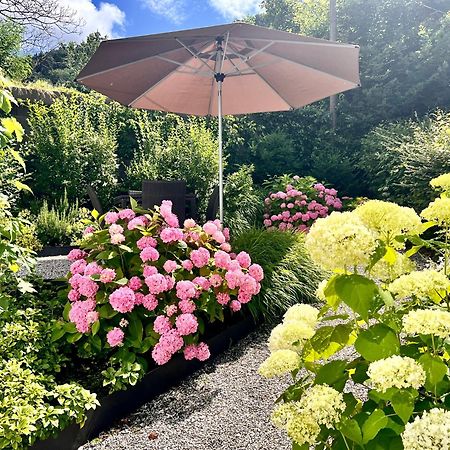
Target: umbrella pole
{"points": [[219, 115]]}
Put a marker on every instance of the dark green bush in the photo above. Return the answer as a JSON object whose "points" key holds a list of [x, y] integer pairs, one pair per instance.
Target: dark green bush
{"points": [[243, 201], [289, 274], [400, 159]]}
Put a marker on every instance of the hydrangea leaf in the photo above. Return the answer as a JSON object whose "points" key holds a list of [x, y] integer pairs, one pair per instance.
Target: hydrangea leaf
{"points": [[373, 424], [377, 342]]}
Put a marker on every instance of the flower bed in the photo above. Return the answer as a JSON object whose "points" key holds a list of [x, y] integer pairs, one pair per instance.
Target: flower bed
{"points": [[396, 318], [141, 285], [298, 203]]}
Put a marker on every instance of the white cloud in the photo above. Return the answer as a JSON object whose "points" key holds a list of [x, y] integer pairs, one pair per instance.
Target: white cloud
{"points": [[174, 10], [236, 9], [107, 18]]}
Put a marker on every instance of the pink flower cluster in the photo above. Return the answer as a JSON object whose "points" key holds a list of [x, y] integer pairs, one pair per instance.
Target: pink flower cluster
{"points": [[165, 275], [296, 210]]}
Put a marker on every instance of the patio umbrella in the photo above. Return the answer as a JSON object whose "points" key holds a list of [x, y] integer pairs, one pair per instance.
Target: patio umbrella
{"points": [[235, 68]]}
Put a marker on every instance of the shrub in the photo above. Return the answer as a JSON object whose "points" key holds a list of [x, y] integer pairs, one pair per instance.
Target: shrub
{"points": [[72, 143], [172, 148], [396, 318], [62, 224], [141, 284], [243, 201], [294, 203], [400, 159], [289, 274]]}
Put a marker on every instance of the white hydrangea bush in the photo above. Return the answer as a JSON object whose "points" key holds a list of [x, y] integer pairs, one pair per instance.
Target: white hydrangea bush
{"points": [[395, 316]]}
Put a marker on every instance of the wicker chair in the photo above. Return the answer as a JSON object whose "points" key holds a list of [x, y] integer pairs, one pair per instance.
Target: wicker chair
{"points": [[154, 192], [213, 205]]}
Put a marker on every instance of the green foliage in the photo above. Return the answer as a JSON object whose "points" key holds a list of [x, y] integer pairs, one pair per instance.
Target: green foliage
{"points": [[14, 65], [61, 65], [172, 148], [289, 274], [401, 158], [72, 143], [61, 224], [242, 199]]}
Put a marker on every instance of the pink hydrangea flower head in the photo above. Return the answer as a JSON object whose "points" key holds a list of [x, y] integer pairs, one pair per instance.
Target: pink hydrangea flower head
{"points": [[87, 287], [202, 282], [234, 265], [226, 247], [190, 352], [73, 295], [256, 271], [170, 266], [115, 337], [136, 222], [134, 283], [171, 310], [78, 266], [235, 305], [267, 222], [162, 325], [76, 254], [88, 230], [189, 223], [218, 237], [171, 341], [122, 299], [187, 265], [117, 238], [248, 284], [127, 214], [186, 290], [115, 229], [78, 314], [156, 283], [222, 259], [233, 278], [146, 241], [215, 280], [200, 257], [203, 352], [149, 270], [92, 317], [170, 282], [160, 355], [186, 306], [210, 228], [218, 224], [111, 217], [149, 302], [107, 275], [74, 281], [226, 233], [92, 269], [149, 254], [171, 234], [223, 298], [186, 324], [166, 212], [138, 298], [244, 296], [244, 259]]}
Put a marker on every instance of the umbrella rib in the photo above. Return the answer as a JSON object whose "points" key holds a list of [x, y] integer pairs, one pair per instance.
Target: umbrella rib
{"points": [[120, 66], [281, 41], [195, 55]]}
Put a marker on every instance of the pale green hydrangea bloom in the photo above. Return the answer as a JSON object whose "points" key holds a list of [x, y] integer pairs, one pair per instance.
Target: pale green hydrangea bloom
{"points": [[396, 371], [303, 313], [389, 220], [320, 292], [384, 271], [442, 182], [340, 242], [290, 336], [421, 284], [319, 405], [429, 432], [438, 211], [427, 321], [279, 363]]}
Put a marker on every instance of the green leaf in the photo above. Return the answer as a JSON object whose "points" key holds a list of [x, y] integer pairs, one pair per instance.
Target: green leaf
{"points": [[350, 429], [133, 203], [373, 424], [328, 340], [413, 250], [357, 292], [95, 214], [147, 344], [390, 256], [21, 186], [435, 370], [333, 374], [135, 330], [57, 331], [377, 342], [332, 298], [107, 312], [11, 127], [403, 404], [71, 338], [5, 101], [95, 327], [16, 155]]}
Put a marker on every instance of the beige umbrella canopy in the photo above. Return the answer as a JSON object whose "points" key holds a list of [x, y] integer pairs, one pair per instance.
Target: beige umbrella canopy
{"points": [[235, 68]]}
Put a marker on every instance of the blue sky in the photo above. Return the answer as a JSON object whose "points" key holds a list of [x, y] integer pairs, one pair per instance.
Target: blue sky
{"points": [[121, 18]]}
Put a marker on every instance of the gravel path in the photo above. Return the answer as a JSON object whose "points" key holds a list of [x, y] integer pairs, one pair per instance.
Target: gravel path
{"points": [[224, 406]]}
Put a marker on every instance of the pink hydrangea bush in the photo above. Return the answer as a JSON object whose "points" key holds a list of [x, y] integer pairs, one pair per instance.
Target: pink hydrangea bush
{"points": [[299, 203], [144, 286]]}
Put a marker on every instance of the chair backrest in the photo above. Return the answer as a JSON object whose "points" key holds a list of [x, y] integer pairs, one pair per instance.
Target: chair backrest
{"points": [[94, 199], [154, 192], [213, 205]]}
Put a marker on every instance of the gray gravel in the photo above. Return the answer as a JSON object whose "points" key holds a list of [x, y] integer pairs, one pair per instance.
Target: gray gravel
{"points": [[224, 406], [52, 267]]}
